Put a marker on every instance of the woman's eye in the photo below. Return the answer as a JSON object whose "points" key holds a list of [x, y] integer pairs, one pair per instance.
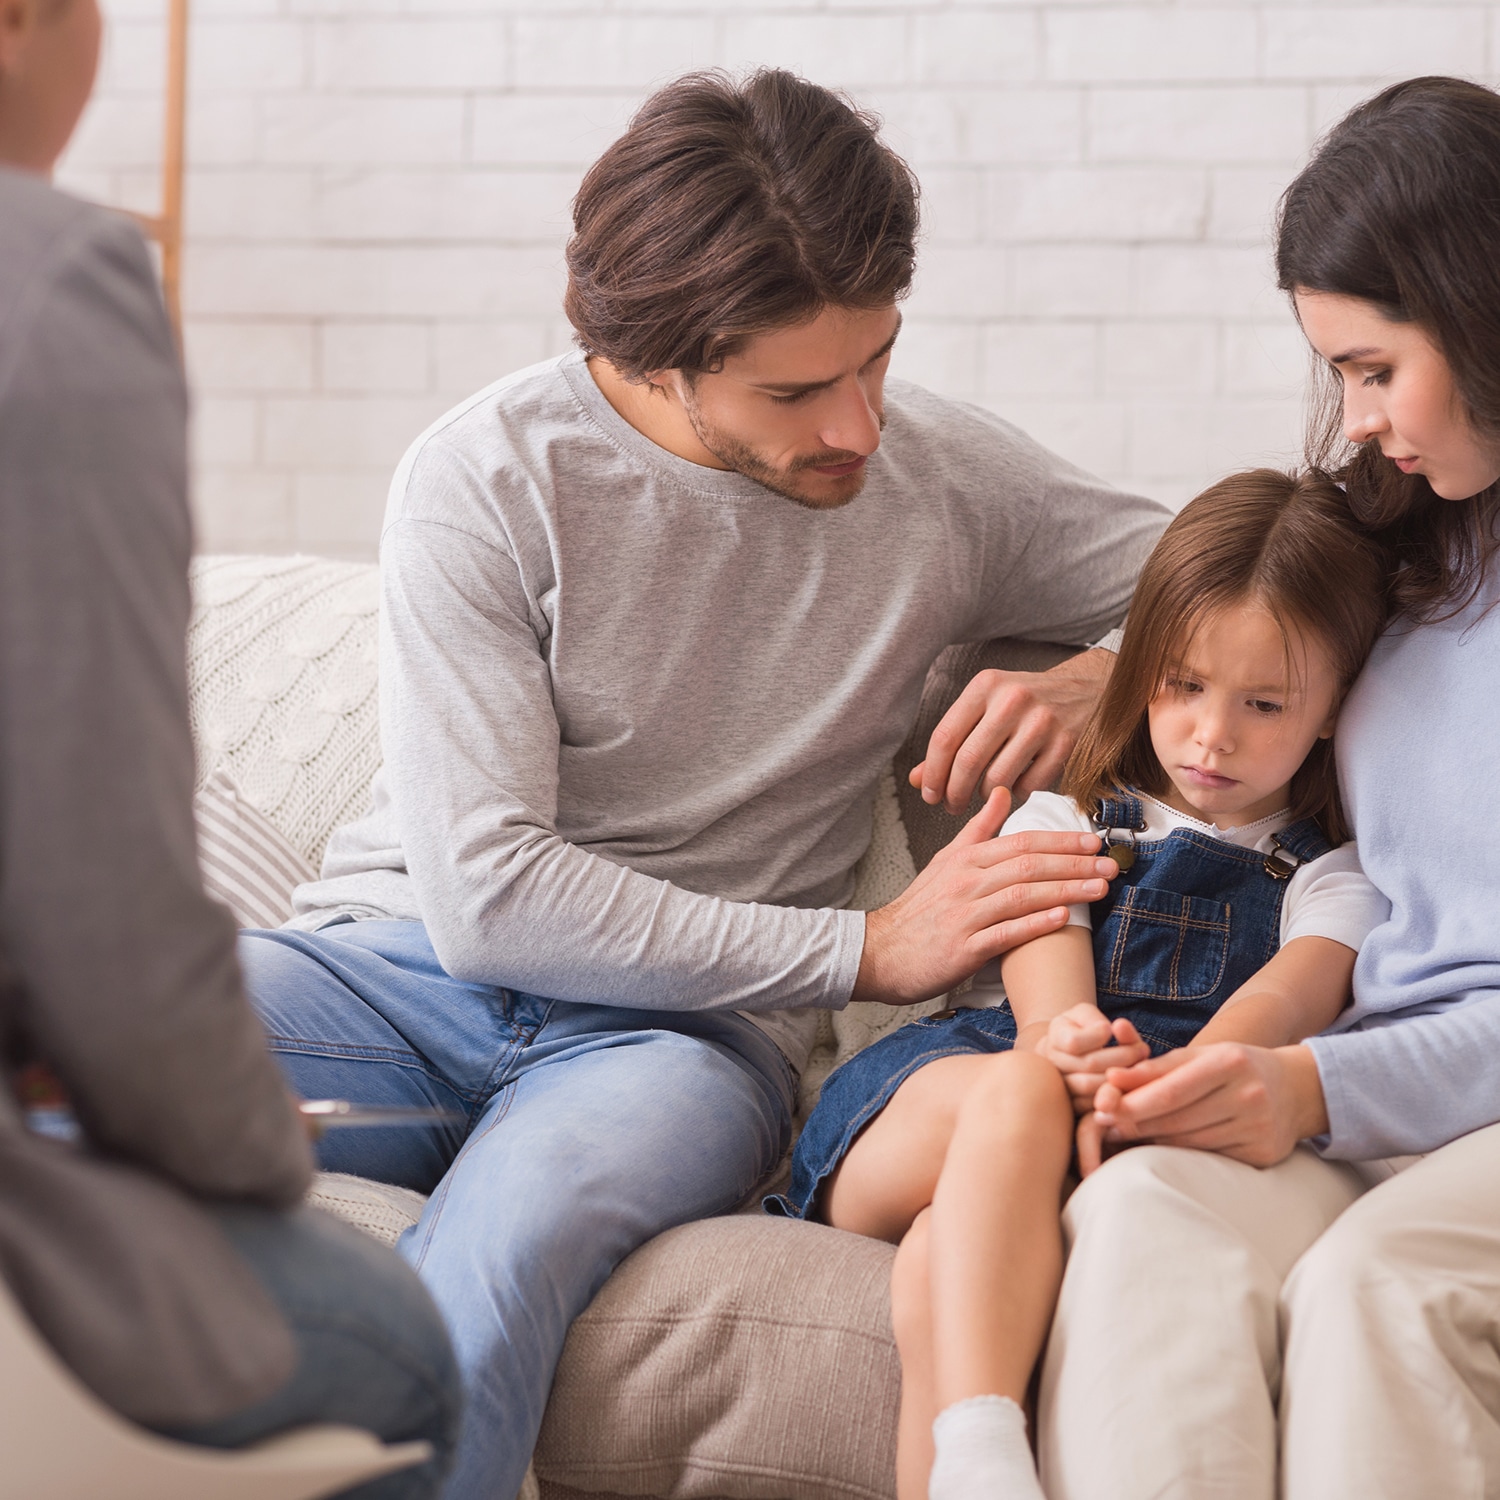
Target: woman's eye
{"points": [[1376, 377]]}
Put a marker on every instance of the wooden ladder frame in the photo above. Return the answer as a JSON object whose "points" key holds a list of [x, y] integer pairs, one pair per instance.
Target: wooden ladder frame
{"points": [[166, 227]]}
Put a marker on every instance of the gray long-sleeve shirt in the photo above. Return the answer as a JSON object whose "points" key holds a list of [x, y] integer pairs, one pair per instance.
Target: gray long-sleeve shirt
{"points": [[115, 968], [634, 710]]}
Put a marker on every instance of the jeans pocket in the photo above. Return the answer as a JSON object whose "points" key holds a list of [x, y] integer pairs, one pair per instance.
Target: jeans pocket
{"points": [[1159, 945]]}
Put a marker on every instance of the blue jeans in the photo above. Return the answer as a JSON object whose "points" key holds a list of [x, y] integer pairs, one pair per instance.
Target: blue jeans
{"points": [[588, 1129], [372, 1351]]}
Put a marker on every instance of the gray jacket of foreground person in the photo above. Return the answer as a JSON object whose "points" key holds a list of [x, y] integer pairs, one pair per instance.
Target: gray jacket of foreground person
{"points": [[115, 969]]}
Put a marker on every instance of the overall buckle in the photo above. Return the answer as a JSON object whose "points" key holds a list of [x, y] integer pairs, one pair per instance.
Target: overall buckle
{"points": [[1119, 845]]}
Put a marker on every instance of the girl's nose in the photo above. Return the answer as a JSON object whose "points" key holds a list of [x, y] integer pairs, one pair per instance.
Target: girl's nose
{"points": [[1213, 733]]}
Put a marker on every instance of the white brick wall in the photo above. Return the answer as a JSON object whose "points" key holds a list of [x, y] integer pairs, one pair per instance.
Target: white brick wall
{"points": [[378, 198]]}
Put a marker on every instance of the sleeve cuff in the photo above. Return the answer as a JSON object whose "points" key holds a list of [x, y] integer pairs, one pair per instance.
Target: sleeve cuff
{"points": [[849, 951], [1110, 642]]}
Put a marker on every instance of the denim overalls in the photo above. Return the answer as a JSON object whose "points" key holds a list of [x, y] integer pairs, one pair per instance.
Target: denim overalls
{"points": [[1186, 922]]}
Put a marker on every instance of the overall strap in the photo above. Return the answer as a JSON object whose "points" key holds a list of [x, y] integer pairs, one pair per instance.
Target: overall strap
{"points": [[1294, 846], [1117, 822]]}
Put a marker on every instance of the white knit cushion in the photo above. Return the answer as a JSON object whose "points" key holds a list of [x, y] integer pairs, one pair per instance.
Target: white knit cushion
{"points": [[381, 1209], [282, 687], [246, 863]]}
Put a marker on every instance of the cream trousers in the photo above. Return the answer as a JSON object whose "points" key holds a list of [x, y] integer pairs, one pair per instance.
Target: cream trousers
{"points": [[1206, 1303]]}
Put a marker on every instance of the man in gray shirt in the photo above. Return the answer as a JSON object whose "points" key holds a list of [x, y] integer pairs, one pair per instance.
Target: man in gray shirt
{"points": [[164, 1257], [656, 616]]}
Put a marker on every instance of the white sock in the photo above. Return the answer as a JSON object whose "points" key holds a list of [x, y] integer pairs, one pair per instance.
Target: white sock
{"points": [[982, 1452]]}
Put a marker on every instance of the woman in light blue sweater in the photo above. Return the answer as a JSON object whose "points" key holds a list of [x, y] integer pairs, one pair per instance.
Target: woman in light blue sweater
{"points": [[1336, 1303]]}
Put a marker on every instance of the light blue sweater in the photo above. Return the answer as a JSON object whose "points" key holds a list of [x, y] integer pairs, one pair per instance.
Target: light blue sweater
{"points": [[1415, 1061]]}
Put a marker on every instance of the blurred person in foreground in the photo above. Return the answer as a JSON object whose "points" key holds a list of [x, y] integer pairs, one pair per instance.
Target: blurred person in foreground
{"points": [[165, 1257]]}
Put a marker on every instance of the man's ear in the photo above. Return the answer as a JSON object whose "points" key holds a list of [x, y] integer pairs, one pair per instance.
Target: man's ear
{"points": [[666, 383], [18, 19]]}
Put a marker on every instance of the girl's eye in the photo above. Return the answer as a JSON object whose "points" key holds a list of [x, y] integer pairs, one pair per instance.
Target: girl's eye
{"points": [[1265, 706], [1182, 685]]}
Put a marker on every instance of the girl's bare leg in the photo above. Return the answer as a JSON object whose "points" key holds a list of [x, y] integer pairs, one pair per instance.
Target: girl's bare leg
{"points": [[986, 1142], [911, 1317], [891, 1171], [996, 1252]]}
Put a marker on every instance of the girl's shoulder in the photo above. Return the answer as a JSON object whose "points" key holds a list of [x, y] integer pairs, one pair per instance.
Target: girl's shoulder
{"points": [[1048, 812]]}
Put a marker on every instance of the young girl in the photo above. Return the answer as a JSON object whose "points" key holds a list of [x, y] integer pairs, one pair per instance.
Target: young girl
{"points": [[1208, 772]]}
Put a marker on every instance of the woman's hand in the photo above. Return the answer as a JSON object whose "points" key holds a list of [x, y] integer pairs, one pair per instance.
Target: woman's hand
{"points": [[1078, 1044], [1251, 1103], [1092, 1144]]}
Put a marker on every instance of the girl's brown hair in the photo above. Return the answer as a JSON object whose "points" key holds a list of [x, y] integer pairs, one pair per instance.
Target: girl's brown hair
{"points": [[1283, 541], [1400, 207]]}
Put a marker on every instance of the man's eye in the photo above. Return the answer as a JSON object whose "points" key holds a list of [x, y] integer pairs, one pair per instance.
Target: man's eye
{"points": [[791, 400]]}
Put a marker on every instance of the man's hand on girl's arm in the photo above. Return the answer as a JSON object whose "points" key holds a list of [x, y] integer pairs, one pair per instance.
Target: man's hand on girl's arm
{"points": [[1251, 1103], [980, 896], [1011, 729]]}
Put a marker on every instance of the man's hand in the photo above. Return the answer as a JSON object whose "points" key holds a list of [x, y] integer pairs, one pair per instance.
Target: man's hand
{"points": [[1077, 1044], [1011, 729], [979, 896], [1251, 1103]]}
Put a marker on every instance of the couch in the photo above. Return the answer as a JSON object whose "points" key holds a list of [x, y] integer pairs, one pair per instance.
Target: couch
{"points": [[740, 1358]]}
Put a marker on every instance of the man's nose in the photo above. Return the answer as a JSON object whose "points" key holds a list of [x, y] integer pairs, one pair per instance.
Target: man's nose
{"points": [[853, 425]]}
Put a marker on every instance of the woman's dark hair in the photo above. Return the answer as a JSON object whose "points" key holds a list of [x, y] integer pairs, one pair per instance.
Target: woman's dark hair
{"points": [[731, 208], [1400, 206], [1266, 538]]}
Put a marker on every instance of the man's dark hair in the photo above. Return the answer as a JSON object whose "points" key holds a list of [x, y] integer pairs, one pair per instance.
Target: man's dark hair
{"points": [[729, 209]]}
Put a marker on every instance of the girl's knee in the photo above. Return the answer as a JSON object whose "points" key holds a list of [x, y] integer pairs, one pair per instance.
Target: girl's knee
{"points": [[1018, 1093]]}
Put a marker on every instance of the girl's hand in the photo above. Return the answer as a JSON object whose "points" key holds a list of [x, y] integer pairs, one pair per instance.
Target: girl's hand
{"points": [[1251, 1103], [1077, 1044]]}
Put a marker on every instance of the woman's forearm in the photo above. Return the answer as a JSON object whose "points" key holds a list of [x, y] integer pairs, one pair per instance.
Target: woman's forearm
{"points": [[1412, 1085]]}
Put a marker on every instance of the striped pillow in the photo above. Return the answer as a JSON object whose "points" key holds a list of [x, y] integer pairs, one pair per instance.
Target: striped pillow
{"points": [[246, 861]]}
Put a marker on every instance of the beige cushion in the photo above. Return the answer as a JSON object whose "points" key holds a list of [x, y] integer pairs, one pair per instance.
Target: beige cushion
{"points": [[744, 1357]]}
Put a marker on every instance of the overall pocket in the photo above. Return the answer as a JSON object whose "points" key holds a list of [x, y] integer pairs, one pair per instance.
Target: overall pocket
{"points": [[1159, 945]]}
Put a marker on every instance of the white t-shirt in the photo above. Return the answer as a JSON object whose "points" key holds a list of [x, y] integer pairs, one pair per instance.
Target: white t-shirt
{"points": [[1327, 897]]}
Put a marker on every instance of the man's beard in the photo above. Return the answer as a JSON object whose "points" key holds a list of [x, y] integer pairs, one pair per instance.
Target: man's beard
{"points": [[743, 459]]}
